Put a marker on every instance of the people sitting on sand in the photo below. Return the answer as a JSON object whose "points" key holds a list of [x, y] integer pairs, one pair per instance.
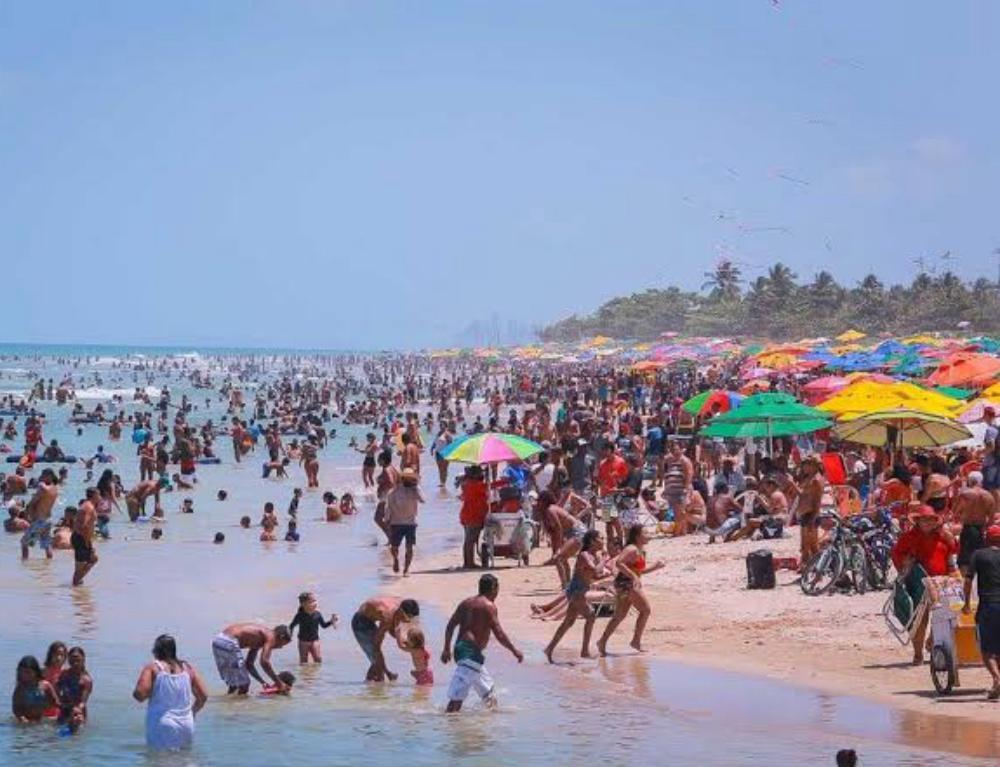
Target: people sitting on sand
{"points": [[723, 517]]}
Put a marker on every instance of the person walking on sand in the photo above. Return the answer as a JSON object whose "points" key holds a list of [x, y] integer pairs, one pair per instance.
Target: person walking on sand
{"points": [[175, 693], [401, 506], [475, 619], [235, 670], [39, 514], [630, 564], [588, 568], [984, 566], [374, 620]]}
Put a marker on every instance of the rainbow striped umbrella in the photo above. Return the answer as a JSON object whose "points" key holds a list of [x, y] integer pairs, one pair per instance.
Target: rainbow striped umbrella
{"points": [[490, 447]]}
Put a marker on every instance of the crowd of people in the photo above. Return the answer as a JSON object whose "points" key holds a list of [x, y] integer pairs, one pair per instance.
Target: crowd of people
{"points": [[620, 461]]}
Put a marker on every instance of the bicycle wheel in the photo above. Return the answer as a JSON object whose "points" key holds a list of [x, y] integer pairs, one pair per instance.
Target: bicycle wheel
{"points": [[857, 562], [879, 561], [820, 575]]}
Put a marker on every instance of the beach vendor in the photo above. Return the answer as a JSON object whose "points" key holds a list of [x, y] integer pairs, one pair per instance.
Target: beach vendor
{"points": [[234, 668], [929, 546], [475, 619]]}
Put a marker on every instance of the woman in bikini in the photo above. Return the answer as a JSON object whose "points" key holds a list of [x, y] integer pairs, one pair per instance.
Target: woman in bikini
{"points": [[588, 568], [630, 564]]}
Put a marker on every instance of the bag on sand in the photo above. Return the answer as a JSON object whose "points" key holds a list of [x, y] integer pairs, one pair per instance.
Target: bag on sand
{"points": [[760, 569]]}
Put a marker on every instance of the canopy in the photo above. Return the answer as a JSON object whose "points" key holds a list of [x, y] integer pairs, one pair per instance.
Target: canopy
{"points": [[769, 414], [490, 447], [902, 427], [971, 369]]}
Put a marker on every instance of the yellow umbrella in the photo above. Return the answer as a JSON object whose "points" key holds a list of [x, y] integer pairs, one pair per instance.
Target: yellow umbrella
{"points": [[850, 335], [992, 392], [866, 396]]}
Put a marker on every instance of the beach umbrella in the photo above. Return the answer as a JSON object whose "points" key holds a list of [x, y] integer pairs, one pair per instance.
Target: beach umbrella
{"points": [[902, 427], [768, 414], [702, 403], [967, 369], [490, 447], [993, 392], [868, 396], [849, 336], [954, 392]]}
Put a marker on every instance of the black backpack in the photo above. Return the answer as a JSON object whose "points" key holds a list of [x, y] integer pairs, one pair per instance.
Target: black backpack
{"points": [[760, 569]]}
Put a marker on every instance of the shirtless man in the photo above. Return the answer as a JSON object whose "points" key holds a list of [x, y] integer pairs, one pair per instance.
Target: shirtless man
{"points": [[82, 538], [235, 670], [475, 619], [15, 484], [564, 530], [374, 620], [135, 499], [810, 498], [310, 462], [238, 434], [39, 514], [411, 454], [975, 507]]}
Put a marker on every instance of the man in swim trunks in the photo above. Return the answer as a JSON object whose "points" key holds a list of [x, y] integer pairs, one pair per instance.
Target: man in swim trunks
{"points": [[975, 507], [475, 619], [401, 506], [235, 670], [82, 538], [375, 619], [810, 499], [39, 514], [135, 499]]}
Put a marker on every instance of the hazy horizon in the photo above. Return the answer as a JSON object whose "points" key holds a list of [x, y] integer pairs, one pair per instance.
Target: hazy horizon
{"points": [[384, 176]]}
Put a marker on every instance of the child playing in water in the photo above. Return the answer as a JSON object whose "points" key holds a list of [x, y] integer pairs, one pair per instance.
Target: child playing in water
{"points": [[347, 504], [33, 696], [333, 512], [287, 678], [74, 686], [421, 673], [309, 620]]}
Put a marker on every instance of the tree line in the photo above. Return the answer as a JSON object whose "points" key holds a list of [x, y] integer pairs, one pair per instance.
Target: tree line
{"points": [[777, 305]]}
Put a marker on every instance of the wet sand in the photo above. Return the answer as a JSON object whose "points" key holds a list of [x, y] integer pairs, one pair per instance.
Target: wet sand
{"points": [[703, 616]]}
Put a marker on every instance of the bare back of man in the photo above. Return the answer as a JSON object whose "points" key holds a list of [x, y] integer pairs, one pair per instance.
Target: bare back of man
{"points": [[235, 670]]}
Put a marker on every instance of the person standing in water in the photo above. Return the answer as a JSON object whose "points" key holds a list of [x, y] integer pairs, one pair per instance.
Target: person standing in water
{"points": [[82, 537], [234, 669], [374, 620], [475, 619], [175, 693], [402, 505], [39, 514]]}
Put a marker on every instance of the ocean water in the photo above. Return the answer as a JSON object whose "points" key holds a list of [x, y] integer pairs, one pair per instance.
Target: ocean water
{"points": [[620, 708]]}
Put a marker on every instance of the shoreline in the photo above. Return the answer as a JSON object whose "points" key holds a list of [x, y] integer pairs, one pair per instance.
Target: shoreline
{"points": [[704, 617]]}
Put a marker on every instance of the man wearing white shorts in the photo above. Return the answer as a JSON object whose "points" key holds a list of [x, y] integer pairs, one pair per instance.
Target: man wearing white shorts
{"points": [[476, 619]]}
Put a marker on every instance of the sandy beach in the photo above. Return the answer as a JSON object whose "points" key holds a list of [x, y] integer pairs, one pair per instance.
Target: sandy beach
{"points": [[703, 614]]}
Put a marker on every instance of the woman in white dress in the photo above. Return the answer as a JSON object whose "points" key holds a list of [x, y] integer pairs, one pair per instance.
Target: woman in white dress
{"points": [[175, 692]]}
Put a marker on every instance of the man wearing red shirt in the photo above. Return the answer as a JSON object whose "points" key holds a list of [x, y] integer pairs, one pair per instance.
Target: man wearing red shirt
{"points": [[611, 471], [931, 546], [475, 505]]}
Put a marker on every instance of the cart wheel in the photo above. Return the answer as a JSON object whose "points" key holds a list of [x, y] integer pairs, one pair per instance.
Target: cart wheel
{"points": [[942, 669], [524, 558]]}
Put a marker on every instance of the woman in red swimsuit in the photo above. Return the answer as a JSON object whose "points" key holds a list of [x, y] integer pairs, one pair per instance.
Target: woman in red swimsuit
{"points": [[630, 564]]}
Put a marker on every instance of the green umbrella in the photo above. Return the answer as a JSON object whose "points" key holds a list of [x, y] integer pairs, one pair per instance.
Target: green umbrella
{"points": [[954, 392], [902, 427], [768, 414]]}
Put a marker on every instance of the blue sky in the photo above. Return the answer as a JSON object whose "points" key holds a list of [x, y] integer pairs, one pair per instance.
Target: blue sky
{"points": [[373, 174]]}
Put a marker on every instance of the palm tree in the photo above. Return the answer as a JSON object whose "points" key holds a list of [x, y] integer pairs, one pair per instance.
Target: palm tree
{"points": [[724, 282]]}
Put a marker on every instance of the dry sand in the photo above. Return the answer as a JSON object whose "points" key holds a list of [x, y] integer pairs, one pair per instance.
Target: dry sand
{"points": [[703, 614]]}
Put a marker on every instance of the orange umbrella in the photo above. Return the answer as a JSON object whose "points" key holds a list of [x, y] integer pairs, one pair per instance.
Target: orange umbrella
{"points": [[974, 369]]}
